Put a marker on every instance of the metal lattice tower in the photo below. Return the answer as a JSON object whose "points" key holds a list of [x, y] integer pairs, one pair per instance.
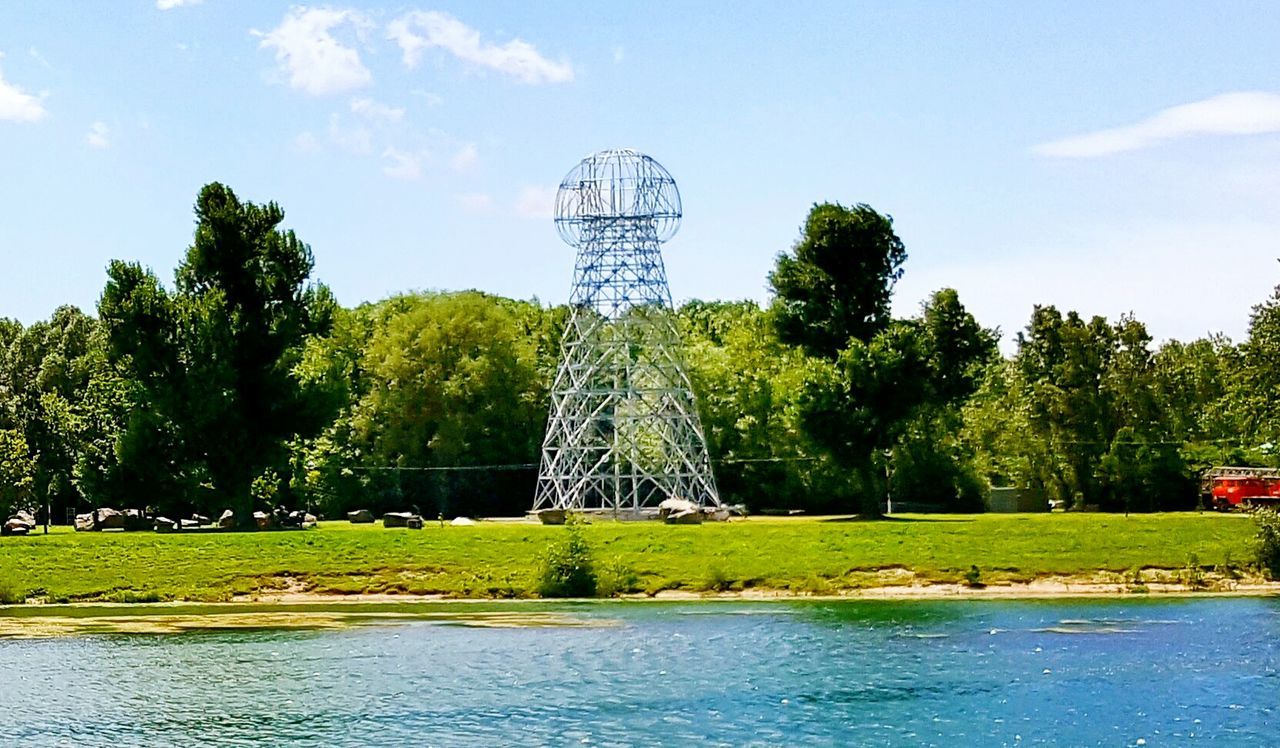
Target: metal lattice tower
{"points": [[623, 434]]}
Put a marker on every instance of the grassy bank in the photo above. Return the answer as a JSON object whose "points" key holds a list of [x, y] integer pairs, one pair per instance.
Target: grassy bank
{"points": [[500, 559]]}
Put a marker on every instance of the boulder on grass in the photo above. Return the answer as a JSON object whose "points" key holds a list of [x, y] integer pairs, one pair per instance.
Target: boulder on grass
{"points": [[684, 518], [360, 517], [680, 512], [165, 525], [676, 506], [110, 519], [462, 522], [15, 527], [552, 516], [23, 519], [135, 520], [414, 523], [308, 521], [262, 520], [200, 519], [227, 520], [84, 522], [397, 519]]}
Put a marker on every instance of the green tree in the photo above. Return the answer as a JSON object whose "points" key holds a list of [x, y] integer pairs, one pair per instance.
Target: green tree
{"points": [[931, 463], [837, 281], [857, 406], [747, 384], [46, 371], [1062, 361], [871, 376], [447, 380], [1079, 415], [1258, 379], [17, 474], [831, 298], [214, 360], [959, 349], [1193, 384]]}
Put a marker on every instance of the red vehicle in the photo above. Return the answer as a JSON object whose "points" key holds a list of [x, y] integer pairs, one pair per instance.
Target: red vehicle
{"points": [[1242, 488]]}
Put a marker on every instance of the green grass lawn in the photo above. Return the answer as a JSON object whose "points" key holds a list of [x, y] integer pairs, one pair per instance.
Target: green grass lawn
{"points": [[500, 559]]}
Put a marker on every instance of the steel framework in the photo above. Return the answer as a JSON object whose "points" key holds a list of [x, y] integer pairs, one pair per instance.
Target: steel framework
{"points": [[623, 433]]}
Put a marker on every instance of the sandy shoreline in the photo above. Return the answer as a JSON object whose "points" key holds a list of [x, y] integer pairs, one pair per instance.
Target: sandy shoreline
{"points": [[1038, 590], [898, 585]]}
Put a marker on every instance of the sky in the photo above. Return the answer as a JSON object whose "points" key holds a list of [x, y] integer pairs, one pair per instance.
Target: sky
{"points": [[1110, 158]]}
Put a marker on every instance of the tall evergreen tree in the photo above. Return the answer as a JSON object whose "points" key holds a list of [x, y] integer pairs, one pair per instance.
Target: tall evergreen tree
{"points": [[214, 360]]}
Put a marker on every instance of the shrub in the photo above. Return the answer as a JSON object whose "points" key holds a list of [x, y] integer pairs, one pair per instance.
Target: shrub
{"points": [[616, 578], [10, 594], [1192, 574], [567, 570], [1267, 540], [973, 577], [716, 580], [812, 585], [1228, 568], [133, 597]]}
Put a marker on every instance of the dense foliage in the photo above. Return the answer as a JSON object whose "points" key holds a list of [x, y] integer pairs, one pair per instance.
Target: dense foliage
{"points": [[244, 385], [212, 363]]}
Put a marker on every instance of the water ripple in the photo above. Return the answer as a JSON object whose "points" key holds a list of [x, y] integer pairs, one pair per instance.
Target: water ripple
{"points": [[837, 674]]}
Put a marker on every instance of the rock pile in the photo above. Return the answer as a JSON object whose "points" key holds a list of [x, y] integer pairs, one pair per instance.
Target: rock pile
{"points": [[278, 518], [164, 524], [106, 518]]}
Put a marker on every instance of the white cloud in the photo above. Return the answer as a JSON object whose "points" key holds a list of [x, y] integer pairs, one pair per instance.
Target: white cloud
{"points": [[376, 111], [171, 4], [403, 165], [16, 105], [313, 58], [420, 30], [475, 202], [1239, 113], [536, 202], [618, 54], [465, 158], [99, 135]]}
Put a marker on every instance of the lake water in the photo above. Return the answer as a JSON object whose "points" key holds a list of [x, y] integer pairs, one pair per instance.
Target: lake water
{"points": [[1114, 673]]}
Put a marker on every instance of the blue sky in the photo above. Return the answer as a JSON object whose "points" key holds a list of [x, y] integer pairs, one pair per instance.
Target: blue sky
{"points": [[1105, 157]]}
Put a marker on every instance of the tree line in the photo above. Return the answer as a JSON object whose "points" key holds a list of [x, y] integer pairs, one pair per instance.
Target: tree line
{"points": [[243, 384]]}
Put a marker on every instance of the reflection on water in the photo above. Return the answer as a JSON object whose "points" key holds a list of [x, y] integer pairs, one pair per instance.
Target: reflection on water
{"points": [[912, 673]]}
